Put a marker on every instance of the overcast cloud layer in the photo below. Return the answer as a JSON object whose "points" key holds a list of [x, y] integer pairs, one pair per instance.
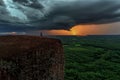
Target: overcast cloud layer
{"points": [[21, 15]]}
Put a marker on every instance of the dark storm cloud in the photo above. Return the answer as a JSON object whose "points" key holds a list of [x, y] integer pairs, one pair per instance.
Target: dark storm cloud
{"points": [[23, 15]]}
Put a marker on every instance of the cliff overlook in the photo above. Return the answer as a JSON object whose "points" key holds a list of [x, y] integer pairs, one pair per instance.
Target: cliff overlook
{"points": [[31, 58]]}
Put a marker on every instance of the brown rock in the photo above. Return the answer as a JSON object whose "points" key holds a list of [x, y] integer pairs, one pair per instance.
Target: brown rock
{"points": [[31, 58]]}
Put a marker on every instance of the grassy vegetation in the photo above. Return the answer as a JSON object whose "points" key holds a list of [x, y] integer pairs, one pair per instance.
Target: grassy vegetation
{"points": [[92, 57]]}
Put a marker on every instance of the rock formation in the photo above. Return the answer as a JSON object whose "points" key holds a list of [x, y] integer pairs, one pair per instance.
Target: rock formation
{"points": [[31, 58]]}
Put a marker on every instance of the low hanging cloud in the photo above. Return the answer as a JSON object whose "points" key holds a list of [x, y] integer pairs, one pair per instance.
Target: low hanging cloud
{"points": [[24, 15]]}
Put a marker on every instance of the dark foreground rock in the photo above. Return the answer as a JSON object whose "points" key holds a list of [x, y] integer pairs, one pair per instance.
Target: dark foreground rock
{"points": [[31, 58]]}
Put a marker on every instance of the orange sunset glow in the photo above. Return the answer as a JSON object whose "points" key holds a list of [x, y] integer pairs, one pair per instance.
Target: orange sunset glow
{"points": [[81, 30], [89, 30], [73, 31]]}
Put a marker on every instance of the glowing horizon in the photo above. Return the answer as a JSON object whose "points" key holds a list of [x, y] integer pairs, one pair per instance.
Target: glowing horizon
{"points": [[83, 30]]}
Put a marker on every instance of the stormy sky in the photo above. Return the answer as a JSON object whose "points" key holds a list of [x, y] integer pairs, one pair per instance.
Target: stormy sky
{"points": [[25, 15]]}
